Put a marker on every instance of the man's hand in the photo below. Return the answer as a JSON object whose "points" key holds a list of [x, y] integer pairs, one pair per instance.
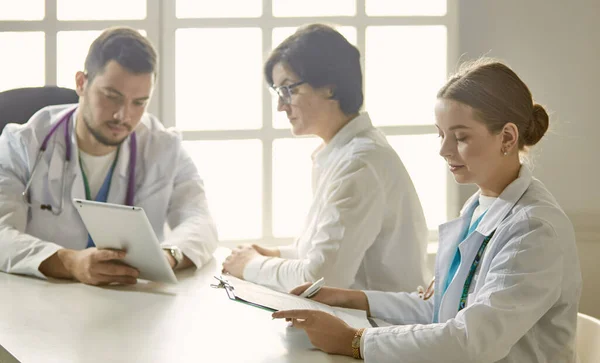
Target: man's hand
{"points": [[236, 262], [91, 266], [326, 332]]}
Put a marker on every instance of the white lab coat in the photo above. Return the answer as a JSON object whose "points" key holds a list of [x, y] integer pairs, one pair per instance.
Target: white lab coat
{"points": [[365, 228], [167, 186], [522, 304]]}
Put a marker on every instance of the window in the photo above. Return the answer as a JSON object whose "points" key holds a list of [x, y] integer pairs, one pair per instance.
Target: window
{"points": [[57, 35], [211, 87], [30, 59]]}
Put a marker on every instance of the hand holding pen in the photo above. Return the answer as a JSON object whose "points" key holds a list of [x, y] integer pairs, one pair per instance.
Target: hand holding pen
{"points": [[313, 289], [332, 296]]}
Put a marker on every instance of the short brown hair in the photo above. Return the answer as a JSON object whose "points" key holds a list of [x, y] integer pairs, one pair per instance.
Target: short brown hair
{"points": [[321, 57], [498, 96], [124, 45]]}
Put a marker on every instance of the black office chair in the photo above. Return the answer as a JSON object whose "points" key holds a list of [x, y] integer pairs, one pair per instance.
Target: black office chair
{"points": [[18, 105]]}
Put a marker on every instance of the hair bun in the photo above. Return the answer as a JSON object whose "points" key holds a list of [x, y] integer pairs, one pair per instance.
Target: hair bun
{"points": [[538, 125]]}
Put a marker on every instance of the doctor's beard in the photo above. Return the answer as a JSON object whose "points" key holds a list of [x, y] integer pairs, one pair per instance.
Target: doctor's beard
{"points": [[100, 137]]}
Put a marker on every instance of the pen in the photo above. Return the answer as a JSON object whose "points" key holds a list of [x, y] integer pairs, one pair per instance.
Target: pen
{"points": [[313, 289]]}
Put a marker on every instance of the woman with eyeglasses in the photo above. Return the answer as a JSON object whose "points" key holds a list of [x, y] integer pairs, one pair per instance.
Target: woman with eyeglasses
{"points": [[365, 228], [507, 276]]}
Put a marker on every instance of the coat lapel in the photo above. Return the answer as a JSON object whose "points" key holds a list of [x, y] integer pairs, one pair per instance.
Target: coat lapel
{"points": [[468, 249], [449, 236], [448, 304], [120, 181], [56, 165]]}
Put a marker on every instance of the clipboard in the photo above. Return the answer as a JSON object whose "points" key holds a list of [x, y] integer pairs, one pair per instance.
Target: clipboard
{"points": [[230, 290], [271, 300]]}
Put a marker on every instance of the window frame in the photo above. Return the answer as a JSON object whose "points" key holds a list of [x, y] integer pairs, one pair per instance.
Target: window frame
{"points": [[161, 24]]}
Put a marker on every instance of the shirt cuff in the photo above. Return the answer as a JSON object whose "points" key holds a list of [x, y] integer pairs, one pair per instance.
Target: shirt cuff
{"points": [[362, 344], [41, 256], [252, 269], [373, 298]]}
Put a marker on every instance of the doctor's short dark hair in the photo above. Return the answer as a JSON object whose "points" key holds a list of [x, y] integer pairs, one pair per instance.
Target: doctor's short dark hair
{"points": [[322, 57], [124, 45]]}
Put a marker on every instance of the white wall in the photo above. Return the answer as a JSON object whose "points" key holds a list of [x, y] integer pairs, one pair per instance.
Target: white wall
{"points": [[554, 45]]}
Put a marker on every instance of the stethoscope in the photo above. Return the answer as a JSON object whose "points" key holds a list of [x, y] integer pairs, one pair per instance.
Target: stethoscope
{"points": [[65, 120]]}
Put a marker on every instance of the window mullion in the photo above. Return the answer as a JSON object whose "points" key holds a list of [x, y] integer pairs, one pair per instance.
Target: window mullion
{"points": [[266, 132], [50, 28], [153, 25], [166, 30], [167, 63]]}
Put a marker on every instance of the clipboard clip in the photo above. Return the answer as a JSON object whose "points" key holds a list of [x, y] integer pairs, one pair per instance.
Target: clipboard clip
{"points": [[224, 284]]}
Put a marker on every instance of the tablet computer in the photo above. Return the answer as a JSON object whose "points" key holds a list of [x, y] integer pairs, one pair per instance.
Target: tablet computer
{"points": [[126, 228]]}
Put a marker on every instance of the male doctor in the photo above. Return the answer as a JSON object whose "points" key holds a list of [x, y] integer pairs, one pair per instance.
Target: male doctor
{"points": [[107, 149]]}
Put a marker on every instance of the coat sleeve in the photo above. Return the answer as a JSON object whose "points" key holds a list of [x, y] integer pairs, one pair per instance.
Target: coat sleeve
{"points": [[523, 283], [192, 227], [349, 222], [20, 253], [400, 308]]}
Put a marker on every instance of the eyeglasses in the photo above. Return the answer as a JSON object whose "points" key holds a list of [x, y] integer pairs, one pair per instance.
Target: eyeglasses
{"points": [[285, 92]]}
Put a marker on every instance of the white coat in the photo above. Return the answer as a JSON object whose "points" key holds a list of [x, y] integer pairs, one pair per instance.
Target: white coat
{"points": [[522, 304], [365, 228], [167, 186]]}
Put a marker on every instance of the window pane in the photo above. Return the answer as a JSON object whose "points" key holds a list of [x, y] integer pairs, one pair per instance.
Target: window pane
{"points": [[22, 9], [219, 9], [280, 120], [405, 7], [291, 8], [72, 48], [405, 67], [25, 67], [428, 171], [100, 10], [232, 174], [292, 194], [218, 79]]}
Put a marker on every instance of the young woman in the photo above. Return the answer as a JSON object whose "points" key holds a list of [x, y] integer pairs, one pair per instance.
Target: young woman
{"points": [[507, 277], [365, 227]]}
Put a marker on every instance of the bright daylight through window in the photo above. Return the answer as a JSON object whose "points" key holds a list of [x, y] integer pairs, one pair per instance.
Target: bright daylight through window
{"points": [[211, 87]]}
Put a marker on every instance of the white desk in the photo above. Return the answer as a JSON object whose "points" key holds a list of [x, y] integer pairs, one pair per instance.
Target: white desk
{"points": [[55, 321]]}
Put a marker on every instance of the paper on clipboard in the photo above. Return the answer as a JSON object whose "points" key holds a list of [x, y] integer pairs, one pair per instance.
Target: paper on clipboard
{"points": [[262, 296]]}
